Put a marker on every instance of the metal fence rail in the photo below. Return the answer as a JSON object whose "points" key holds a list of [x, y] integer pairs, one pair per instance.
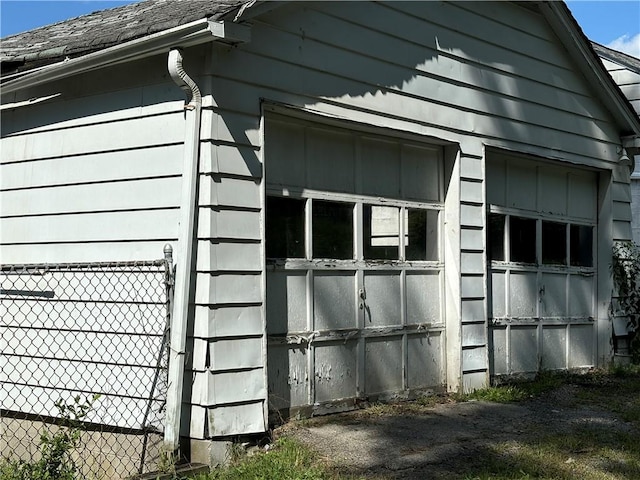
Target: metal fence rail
{"points": [[86, 334]]}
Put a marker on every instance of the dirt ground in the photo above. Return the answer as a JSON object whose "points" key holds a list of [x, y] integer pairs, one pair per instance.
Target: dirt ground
{"points": [[459, 440]]}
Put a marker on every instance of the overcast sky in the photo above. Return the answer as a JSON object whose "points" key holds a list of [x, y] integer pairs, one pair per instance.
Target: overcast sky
{"points": [[614, 23]]}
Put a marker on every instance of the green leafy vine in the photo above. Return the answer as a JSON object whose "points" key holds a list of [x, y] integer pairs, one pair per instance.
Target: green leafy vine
{"points": [[626, 275]]}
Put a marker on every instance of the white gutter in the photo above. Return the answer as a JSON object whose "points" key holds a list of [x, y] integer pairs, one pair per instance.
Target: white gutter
{"points": [[187, 35], [184, 252]]}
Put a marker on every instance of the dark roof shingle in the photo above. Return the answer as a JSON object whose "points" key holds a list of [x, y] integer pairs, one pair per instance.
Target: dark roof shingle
{"points": [[105, 28]]}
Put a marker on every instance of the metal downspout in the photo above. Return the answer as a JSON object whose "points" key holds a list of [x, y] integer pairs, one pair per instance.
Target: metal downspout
{"points": [[184, 252]]}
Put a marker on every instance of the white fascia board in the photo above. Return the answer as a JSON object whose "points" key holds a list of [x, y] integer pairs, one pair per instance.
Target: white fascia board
{"points": [[26, 103], [190, 34], [591, 67]]}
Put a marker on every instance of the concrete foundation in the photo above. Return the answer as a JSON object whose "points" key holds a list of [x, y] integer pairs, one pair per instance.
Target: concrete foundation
{"points": [[210, 452]]}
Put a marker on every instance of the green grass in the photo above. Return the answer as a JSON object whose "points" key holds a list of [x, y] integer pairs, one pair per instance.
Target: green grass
{"points": [[517, 391], [500, 394], [590, 454], [287, 459]]}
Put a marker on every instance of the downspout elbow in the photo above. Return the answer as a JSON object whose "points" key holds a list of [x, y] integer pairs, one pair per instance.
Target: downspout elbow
{"points": [[180, 77], [631, 149]]}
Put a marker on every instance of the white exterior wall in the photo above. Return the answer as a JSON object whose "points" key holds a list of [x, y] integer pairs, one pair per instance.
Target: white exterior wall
{"points": [[94, 174], [626, 195], [90, 176], [498, 79], [629, 82], [386, 65]]}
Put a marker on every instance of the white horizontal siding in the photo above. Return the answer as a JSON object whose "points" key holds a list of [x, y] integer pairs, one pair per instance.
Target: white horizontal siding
{"points": [[230, 159], [95, 174], [89, 331], [72, 112], [73, 251], [437, 113], [227, 354], [229, 192], [101, 197], [225, 126], [502, 79], [229, 326], [397, 35], [228, 289], [228, 321], [621, 206], [228, 224], [151, 225], [229, 387], [107, 410], [621, 75], [80, 287], [150, 162], [474, 90], [126, 134], [626, 207], [237, 419], [110, 379], [229, 256], [635, 195], [52, 317]]}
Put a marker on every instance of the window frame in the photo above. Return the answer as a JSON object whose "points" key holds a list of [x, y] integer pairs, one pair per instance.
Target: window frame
{"points": [[539, 218], [359, 260]]}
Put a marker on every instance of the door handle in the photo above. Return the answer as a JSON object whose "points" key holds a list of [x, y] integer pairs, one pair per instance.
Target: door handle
{"points": [[363, 296]]}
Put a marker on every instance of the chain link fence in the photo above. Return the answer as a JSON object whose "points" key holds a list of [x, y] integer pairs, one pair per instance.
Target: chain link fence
{"points": [[89, 336]]}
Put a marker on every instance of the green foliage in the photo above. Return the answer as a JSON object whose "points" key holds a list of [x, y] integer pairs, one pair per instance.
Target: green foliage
{"points": [[517, 391], [288, 459], [55, 461], [167, 463], [624, 371], [626, 274], [501, 394]]}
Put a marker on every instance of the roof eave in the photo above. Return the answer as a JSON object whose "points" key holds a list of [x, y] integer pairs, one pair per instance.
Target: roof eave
{"points": [[579, 47], [619, 58], [187, 35]]}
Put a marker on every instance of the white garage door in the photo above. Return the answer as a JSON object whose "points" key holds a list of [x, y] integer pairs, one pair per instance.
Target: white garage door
{"points": [[541, 246], [354, 271]]}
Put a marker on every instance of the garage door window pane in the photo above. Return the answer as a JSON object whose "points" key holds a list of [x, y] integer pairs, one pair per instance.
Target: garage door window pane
{"points": [[422, 235], [522, 239], [381, 232], [496, 237], [332, 226], [581, 245], [554, 243], [285, 228]]}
